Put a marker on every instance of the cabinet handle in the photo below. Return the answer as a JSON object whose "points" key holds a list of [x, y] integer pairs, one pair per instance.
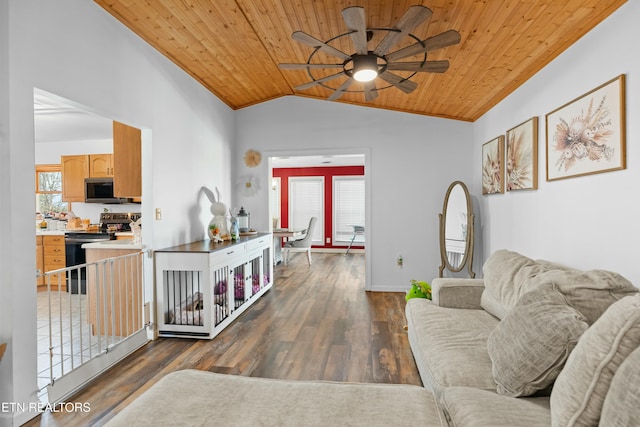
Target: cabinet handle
{"points": [[229, 253]]}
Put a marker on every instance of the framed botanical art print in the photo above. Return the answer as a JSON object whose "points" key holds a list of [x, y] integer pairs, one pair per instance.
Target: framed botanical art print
{"points": [[587, 135], [492, 166], [522, 156]]}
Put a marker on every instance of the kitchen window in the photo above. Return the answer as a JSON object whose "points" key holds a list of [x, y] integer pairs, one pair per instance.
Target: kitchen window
{"points": [[49, 189]]}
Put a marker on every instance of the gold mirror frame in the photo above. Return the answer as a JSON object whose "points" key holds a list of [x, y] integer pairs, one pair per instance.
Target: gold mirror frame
{"points": [[467, 257]]}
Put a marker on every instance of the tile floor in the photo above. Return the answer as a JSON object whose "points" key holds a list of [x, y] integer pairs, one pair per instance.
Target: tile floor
{"points": [[64, 336]]}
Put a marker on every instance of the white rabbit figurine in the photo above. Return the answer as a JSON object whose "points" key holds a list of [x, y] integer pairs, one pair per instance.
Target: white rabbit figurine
{"points": [[219, 221]]}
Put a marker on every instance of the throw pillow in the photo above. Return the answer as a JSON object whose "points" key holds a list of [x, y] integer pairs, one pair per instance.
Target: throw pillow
{"points": [[579, 392], [531, 344]]}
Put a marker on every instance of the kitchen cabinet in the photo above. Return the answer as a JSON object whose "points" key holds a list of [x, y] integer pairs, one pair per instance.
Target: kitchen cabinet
{"points": [[78, 167], [54, 257], [202, 287], [127, 161], [39, 260], [100, 165], [74, 170]]}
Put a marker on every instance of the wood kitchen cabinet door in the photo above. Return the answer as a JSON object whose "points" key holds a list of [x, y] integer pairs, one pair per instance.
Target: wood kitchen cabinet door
{"points": [[100, 165], [74, 170], [127, 161]]}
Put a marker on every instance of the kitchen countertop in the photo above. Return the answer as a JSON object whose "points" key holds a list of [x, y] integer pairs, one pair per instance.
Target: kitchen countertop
{"points": [[113, 244], [47, 232], [210, 246]]}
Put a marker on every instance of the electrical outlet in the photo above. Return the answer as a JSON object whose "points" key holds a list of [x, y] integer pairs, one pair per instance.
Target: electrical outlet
{"points": [[328, 239], [158, 214], [400, 261]]}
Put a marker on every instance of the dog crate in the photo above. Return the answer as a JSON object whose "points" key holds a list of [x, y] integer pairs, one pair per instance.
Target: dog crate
{"points": [[203, 286]]}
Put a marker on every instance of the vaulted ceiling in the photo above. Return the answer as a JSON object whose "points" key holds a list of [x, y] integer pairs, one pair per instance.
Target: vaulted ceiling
{"points": [[233, 47]]}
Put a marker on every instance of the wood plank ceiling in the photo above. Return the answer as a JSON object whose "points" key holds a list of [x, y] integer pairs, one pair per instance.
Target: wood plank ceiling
{"points": [[233, 47]]}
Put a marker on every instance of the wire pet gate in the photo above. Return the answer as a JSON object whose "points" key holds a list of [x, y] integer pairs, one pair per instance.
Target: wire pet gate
{"points": [[85, 311]]}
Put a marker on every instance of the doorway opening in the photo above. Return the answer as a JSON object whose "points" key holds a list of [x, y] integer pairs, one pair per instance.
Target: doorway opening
{"points": [[333, 187], [73, 144]]}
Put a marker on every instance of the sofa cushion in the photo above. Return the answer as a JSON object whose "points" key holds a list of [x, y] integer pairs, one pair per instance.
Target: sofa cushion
{"points": [[198, 398], [579, 392], [509, 275], [466, 407], [530, 345], [590, 292], [621, 407], [450, 345]]}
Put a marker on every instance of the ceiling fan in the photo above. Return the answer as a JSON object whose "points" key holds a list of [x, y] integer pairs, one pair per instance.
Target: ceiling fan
{"points": [[366, 65]]}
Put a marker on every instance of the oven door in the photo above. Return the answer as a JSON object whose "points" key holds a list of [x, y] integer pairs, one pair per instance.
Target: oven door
{"points": [[75, 255]]}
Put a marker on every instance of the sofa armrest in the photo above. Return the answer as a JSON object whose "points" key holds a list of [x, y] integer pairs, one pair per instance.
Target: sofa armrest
{"points": [[457, 293]]}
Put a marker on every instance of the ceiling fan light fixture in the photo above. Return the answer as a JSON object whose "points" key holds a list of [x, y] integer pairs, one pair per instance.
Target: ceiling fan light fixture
{"points": [[365, 67]]}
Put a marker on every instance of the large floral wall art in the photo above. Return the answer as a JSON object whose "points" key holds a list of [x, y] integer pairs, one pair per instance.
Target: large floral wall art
{"points": [[587, 135]]}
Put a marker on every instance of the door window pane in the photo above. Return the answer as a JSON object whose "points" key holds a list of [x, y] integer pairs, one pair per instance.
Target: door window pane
{"points": [[306, 200], [348, 208]]}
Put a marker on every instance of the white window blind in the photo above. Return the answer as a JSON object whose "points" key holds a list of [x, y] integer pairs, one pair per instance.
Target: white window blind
{"points": [[306, 200], [348, 208]]}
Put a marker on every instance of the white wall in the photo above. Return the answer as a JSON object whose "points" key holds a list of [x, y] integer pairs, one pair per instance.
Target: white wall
{"points": [[585, 222], [6, 287], [74, 49], [410, 162]]}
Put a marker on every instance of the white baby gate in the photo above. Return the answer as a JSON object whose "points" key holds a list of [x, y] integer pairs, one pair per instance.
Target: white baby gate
{"points": [[90, 317]]}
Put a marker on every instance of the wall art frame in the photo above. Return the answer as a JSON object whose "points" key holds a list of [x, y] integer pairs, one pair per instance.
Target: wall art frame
{"points": [[493, 166], [587, 135], [522, 156]]}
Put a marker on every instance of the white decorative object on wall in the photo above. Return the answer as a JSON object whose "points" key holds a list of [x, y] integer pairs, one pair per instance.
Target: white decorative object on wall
{"points": [[249, 185]]}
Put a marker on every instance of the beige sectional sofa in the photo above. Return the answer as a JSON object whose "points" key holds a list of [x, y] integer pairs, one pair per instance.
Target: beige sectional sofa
{"points": [[531, 344], [491, 349]]}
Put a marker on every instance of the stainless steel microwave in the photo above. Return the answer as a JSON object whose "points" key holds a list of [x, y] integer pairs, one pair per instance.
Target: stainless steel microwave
{"points": [[100, 190]]}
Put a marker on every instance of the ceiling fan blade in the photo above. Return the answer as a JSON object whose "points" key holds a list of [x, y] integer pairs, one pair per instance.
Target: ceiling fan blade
{"points": [[448, 38], [414, 16], [370, 92], [428, 67], [338, 93], [305, 66], [407, 86], [322, 80], [356, 22], [305, 38]]}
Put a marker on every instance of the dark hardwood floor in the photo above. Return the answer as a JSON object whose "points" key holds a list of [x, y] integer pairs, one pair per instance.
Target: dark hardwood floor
{"points": [[316, 323]]}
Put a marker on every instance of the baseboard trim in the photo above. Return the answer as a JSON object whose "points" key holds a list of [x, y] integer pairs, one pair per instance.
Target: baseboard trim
{"points": [[337, 250]]}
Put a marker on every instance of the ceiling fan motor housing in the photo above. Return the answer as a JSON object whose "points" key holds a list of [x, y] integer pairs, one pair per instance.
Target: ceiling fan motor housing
{"points": [[365, 67]]}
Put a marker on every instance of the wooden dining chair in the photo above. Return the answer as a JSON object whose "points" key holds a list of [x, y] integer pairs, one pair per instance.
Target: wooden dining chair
{"points": [[301, 245]]}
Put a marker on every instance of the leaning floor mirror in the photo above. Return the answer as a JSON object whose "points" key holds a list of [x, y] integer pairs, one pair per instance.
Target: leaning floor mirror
{"points": [[456, 230]]}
